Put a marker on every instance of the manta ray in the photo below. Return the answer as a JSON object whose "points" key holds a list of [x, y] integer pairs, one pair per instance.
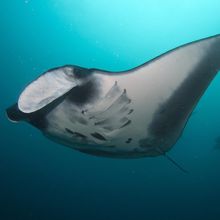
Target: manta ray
{"points": [[140, 112]]}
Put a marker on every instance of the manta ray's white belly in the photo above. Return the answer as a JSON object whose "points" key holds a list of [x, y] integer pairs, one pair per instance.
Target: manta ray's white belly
{"points": [[119, 119]]}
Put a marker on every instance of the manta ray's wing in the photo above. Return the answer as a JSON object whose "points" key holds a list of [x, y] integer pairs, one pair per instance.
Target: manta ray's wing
{"points": [[169, 86], [165, 90]]}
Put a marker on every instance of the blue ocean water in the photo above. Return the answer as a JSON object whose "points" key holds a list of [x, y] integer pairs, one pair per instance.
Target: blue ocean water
{"points": [[43, 180]]}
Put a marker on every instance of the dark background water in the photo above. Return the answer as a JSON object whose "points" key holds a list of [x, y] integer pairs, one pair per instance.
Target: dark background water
{"points": [[44, 180]]}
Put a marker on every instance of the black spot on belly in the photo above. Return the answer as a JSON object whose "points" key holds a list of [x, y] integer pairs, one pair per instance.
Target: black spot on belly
{"points": [[76, 134], [69, 131], [130, 111], [103, 122], [128, 141], [126, 124], [98, 136]]}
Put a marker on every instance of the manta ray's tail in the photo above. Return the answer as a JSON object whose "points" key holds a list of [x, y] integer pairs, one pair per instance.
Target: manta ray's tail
{"points": [[171, 160], [175, 163]]}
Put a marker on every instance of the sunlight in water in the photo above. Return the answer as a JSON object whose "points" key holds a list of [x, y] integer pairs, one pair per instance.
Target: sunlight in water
{"points": [[127, 29]]}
